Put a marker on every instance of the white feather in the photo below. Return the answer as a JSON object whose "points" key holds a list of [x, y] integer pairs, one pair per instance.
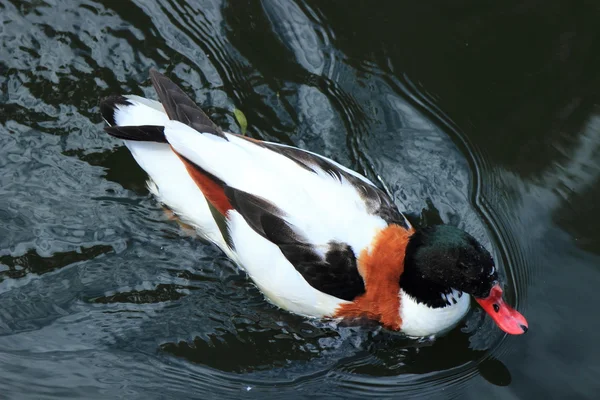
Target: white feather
{"points": [[141, 112], [147, 102], [420, 320]]}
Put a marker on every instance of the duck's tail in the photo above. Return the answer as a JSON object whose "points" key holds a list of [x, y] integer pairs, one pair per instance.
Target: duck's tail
{"points": [[141, 123]]}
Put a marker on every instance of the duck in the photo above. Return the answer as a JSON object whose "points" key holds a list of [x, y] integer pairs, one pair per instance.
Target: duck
{"points": [[317, 238]]}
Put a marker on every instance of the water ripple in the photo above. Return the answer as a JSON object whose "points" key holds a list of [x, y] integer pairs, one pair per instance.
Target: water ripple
{"points": [[104, 295]]}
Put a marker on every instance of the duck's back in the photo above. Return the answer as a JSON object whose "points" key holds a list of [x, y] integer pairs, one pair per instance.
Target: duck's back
{"points": [[294, 220]]}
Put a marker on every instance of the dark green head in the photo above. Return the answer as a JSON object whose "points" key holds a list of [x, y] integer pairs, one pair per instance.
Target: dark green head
{"points": [[441, 258]]}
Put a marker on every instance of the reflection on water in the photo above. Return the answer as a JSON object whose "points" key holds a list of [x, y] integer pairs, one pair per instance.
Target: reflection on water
{"points": [[103, 294]]}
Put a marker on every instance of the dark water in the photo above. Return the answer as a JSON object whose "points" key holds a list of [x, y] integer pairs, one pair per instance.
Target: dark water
{"points": [[482, 114]]}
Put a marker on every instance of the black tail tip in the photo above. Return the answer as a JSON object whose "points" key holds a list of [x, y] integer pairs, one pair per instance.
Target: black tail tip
{"points": [[109, 104]]}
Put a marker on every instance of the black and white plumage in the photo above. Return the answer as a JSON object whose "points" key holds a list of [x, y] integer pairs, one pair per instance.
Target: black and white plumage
{"points": [[317, 238]]}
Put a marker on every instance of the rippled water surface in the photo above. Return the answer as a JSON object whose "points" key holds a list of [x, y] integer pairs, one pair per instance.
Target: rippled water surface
{"points": [[485, 115]]}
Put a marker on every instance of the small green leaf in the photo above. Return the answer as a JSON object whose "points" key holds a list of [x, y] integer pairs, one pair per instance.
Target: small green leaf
{"points": [[241, 119]]}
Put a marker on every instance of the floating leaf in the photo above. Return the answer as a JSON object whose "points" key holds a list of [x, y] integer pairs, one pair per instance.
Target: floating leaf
{"points": [[241, 119]]}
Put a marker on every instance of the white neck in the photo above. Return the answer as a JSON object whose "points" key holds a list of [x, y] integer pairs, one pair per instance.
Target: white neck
{"points": [[420, 320]]}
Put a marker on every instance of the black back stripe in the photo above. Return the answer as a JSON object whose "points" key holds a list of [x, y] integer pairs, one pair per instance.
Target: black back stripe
{"points": [[142, 133], [255, 210], [306, 160]]}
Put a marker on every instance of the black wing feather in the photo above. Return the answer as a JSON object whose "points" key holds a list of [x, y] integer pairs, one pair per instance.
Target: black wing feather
{"points": [[252, 208], [335, 274], [180, 107], [141, 133]]}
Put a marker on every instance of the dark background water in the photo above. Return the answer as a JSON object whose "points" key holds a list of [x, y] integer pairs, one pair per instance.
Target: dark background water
{"points": [[483, 114]]}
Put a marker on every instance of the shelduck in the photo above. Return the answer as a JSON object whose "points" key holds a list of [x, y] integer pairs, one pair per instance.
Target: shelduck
{"points": [[317, 238]]}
